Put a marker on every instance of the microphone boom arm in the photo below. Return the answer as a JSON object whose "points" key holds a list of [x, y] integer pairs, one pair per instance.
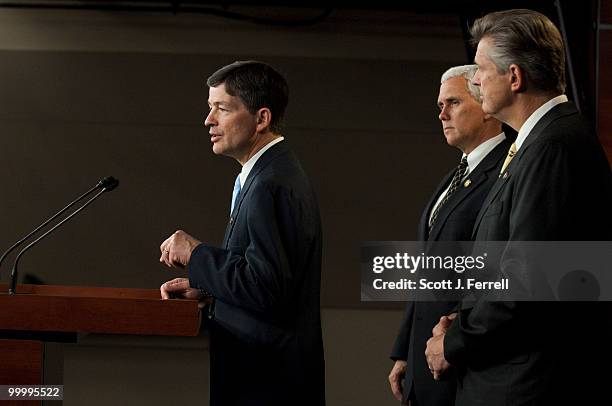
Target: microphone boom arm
{"points": [[62, 211], [14, 272]]}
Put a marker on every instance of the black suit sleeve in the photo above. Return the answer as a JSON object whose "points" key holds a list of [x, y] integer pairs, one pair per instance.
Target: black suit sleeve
{"points": [[400, 348], [262, 278], [540, 196]]}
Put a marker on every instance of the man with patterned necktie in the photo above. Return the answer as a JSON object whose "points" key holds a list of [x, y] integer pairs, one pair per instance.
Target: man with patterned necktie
{"points": [[449, 216], [555, 185], [263, 283]]}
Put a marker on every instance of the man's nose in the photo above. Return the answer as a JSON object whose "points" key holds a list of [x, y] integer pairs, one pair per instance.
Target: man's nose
{"points": [[443, 114], [210, 119], [476, 78]]}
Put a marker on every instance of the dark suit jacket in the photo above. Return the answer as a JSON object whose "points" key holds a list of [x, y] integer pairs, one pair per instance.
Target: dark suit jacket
{"points": [[266, 345], [558, 187], [454, 223]]}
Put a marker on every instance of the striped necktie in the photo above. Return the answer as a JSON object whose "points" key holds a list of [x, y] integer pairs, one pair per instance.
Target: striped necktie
{"points": [[454, 185]]}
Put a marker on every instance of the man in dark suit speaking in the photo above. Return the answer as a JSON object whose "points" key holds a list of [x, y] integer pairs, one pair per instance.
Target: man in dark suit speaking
{"points": [[555, 185], [264, 281], [449, 216]]}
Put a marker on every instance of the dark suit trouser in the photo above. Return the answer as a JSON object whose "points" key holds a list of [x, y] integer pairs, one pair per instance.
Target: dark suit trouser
{"points": [[412, 400], [245, 383], [268, 378]]}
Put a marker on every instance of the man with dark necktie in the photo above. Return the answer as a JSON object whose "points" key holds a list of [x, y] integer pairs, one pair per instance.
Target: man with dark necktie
{"points": [[555, 185], [448, 216]]}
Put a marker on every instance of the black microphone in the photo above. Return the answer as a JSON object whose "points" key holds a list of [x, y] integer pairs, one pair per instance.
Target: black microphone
{"points": [[106, 184]]}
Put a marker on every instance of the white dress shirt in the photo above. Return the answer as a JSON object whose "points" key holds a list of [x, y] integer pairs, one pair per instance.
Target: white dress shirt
{"points": [[535, 117], [248, 165], [473, 158]]}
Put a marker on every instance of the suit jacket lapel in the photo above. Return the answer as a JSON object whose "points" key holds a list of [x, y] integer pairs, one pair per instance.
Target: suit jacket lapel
{"points": [[560, 110], [497, 187], [424, 222], [483, 171], [267, 157], [463, 192], [556, 112]]}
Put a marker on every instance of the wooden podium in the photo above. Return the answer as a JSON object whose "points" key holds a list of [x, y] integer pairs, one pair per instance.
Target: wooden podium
{"points": [[39, 313]]}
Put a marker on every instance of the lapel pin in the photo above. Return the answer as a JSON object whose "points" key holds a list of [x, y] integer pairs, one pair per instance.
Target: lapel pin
{"points": [[467, 183], [505, 174]]}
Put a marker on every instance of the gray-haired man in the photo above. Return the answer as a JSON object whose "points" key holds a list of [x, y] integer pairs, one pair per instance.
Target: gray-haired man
{"points": [[448, 216], [555, 185]]}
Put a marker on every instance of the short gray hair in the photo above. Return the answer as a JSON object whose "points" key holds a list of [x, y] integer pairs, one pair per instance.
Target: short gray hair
{"points": [[467, 72], [530, 40]]}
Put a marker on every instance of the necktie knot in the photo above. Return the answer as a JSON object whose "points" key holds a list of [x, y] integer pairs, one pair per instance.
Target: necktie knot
{"points": [[452, 188], [463, 165], [235, 193]]}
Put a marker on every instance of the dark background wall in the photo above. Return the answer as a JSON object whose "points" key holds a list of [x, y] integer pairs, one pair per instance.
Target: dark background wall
{"points": [[362, 119], [604, 84], [87, 94]]}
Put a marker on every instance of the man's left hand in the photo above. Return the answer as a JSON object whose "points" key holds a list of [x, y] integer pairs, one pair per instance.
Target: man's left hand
{"points": [[179, 288], [435, 356], [435, 347], [176, 250]]}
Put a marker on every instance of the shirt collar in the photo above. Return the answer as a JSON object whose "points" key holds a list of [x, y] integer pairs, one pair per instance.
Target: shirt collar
{"points": [[535, 117], [480, 152], [248, 165]]}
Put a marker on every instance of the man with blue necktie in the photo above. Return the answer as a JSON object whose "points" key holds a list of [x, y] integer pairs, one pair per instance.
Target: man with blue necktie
{"points": [[263, 283]]}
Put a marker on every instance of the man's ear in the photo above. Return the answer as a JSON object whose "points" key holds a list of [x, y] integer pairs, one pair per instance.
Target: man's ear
{"points": [[264, 118], [518, 83]]}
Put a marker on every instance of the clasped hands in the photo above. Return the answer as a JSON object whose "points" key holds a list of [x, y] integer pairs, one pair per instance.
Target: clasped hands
{"points": [[175, 253], [435, 347]]}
